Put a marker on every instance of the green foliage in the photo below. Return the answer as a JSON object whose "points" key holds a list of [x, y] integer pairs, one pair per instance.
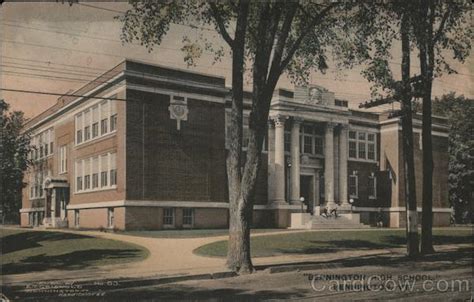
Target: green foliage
{"points": [[14, 149], [459, 112], [304, 49]]}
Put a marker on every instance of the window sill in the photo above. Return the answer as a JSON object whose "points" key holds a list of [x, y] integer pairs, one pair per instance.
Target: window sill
{"points": [[96, 139], [95, 190], [37, 198], [372, 161]]}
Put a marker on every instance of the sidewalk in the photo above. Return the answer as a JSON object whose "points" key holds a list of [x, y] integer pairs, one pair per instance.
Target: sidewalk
{"points": [[170, 257]]}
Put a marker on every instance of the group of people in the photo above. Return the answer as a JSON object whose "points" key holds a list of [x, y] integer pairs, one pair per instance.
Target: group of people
{"points": [[329, 213]]}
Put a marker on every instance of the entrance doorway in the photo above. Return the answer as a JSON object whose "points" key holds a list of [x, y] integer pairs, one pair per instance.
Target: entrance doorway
{"points": [[307, 191]]}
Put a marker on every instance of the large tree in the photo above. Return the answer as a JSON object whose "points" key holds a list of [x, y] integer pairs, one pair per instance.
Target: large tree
{"points": [[375, 29], [442, 28], [459, 112], [14, 149], [270, 37]]}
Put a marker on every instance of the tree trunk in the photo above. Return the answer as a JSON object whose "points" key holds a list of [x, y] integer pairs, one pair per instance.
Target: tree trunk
{"points": [[407, 138], [427, 207], [427, 67], [238, 253]]}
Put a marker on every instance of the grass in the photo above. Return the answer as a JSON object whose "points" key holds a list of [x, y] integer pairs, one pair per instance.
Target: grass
{"points": [[332, 241], [25, 251], [190, 233]]}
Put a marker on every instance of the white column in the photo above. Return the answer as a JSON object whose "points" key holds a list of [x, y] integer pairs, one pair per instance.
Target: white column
{"points": [[329, 166], [295, 161], [279, 178], [343, 157], [271, 162]]}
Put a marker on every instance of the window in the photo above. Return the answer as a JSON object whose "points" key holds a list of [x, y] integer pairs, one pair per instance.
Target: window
{"points": [[287, 141], [362, 145], [62, 159], [322, 186], [353, 149], [104, 170], [113, 116], [104, 117], [87, 174], [87, 133], [79, 136], [308, 144], [103, 126], [372, 187], [79, 126], [353, 185], [113, 169], [95, 130], [371, 151], [311, 143], [79, 173], [318, 145], [362, 153], [87, 125], [188, 217], [76, 218], [95, 172], [87, 182], [168, 217], [95, 121], [110, 217]]}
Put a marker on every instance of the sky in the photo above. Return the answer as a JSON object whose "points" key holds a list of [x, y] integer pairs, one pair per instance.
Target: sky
{"points": [[55, 47]]}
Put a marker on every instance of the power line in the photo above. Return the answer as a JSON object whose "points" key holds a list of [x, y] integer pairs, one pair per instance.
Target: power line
{"points": [[205, 52], [66, 72], [93, 52], [63, 94], [49, 63], [121, 12], [102, 8], [50, 69], [50, 77]]}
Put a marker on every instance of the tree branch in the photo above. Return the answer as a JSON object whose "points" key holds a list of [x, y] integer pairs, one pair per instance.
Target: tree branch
{"points": [[440, 30], [298, 41], [280, 45], [221, 24]]}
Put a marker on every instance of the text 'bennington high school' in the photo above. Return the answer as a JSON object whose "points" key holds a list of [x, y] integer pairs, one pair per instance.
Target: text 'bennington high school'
{"points": [[153, 156]]}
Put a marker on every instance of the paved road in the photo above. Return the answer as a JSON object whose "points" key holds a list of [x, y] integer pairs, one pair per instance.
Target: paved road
{"points": [[446, 276]]}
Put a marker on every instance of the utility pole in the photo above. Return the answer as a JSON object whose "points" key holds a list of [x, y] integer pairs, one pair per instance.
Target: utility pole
{"points": [[403, 92]]}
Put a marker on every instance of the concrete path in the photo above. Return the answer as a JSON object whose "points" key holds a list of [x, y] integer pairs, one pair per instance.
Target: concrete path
{"points": [[173, 257]]}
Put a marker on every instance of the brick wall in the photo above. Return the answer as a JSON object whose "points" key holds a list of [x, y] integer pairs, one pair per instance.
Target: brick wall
{"points": [[164, 163]]}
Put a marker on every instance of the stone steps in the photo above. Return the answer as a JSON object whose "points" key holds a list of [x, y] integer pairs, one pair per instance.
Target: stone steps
{"points": [[319, 222]]}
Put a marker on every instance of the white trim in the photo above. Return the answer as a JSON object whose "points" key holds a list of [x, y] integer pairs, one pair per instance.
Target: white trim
{"points": [[366, 129], [29, 210], [176, 80], [415, 130], [274, 206], [196, 96], [173, 204]]}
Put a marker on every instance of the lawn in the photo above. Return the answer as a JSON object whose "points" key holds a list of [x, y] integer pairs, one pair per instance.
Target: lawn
{"points": [[25, 251], [332, 241], [190, 233]]}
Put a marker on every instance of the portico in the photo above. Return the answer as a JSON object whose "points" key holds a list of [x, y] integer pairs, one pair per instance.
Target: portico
{"points": [[317, 152]]}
